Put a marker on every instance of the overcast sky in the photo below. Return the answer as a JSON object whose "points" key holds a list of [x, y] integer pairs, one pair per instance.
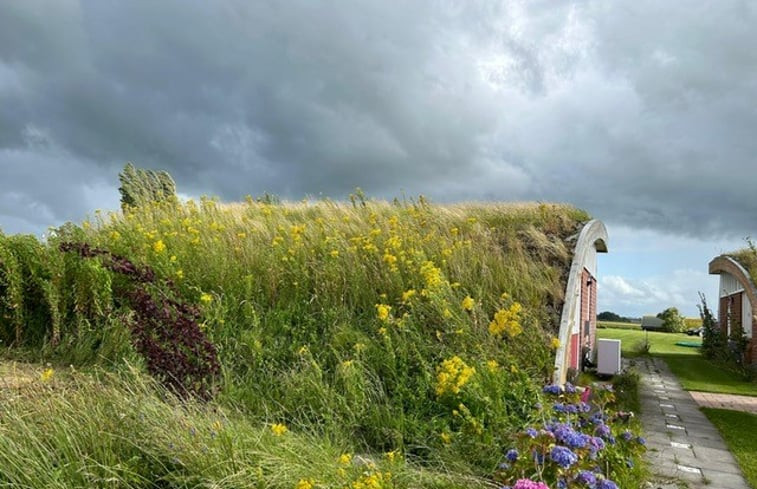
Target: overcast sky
{"points": [[642, 112]]}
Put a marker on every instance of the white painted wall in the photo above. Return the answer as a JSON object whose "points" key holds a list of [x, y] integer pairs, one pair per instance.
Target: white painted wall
{"points": [[746, 315], [729, 285]]}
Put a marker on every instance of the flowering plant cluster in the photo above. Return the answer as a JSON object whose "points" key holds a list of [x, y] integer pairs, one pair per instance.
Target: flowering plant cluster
{"points": [[164, 331], [579, 442]]}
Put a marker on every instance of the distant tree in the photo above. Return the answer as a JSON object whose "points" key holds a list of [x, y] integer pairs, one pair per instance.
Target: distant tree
{"points": [[672, 320], [609, 316], [140, 186]]}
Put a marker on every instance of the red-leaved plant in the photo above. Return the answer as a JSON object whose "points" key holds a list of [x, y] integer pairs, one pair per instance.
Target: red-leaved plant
{"points": [[164, 330]]}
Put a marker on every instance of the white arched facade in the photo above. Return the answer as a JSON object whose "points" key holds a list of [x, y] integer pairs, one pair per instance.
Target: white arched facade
{"points": [[578, 318]]}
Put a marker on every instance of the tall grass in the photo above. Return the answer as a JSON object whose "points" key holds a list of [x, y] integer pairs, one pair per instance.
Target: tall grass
{"points": [[336, 318], [125, 431]]}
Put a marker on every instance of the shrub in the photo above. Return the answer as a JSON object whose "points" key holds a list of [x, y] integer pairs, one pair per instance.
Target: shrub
{"points": [[575, 445], [140, 186]]}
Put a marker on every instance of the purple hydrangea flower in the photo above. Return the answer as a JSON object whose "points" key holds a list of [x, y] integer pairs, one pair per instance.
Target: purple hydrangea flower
{"points": [[626, 435], [563, 456], [553, 389], [641, 441], [596, 444], [570, 388], [602, 430], [531, 432], [586, 477], [512, 455], [606, 484]]}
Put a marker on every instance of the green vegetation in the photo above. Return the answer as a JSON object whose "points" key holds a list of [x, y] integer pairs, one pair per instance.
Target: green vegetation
{"points": [[140, 187], [694, 371], [123, 430], [738, 431], [407, 328], [672, 321]]}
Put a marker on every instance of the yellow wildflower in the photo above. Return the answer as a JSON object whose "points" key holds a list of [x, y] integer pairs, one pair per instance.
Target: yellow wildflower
{"points": [[359, 347], [206, 298], [115, 235], [555, 343], [334, 253], [47, 374], [390, 456], [159, 246], [468, 303], [452, 375], [304, 484], [408, 294], [446, 439], [279, 429], [347, 363], [446, 314], [180, 274], [492, 365], [173, 258], [432, 275], [507, 321], [345, 459], [241, 235], [513, 369], [382, 311]]}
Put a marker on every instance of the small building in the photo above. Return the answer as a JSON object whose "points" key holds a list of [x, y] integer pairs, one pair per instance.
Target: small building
{"points": [[737, 300], [651, 323], [578, 320]]}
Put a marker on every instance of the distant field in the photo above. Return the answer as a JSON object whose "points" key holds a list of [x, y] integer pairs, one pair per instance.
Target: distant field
{"points": [[618, 325]]}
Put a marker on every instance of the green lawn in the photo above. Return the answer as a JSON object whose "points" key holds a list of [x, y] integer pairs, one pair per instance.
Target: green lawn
{"points": [[738, 430], [693, 371]]}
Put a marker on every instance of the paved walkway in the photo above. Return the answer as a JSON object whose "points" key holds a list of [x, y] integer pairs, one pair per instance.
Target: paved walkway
{"points": [[725, 401], [683, 444]]}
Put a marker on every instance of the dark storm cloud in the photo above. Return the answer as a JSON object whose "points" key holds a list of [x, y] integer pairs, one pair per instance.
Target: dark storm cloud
{"points": [[640, 112]]}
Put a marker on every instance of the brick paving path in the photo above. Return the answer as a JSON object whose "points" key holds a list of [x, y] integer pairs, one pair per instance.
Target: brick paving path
{"points": [[726, 401], [683, 444]]}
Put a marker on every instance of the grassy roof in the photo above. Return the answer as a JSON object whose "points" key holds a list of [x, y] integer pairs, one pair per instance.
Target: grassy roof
{"points": [[411, 326]]}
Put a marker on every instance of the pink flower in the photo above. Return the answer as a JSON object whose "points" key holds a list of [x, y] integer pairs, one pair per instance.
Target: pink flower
{"points": [[529, 484], [586, 394]]}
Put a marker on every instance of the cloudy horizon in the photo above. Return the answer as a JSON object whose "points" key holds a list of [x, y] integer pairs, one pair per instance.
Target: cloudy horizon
{"points": [[639, 113]]}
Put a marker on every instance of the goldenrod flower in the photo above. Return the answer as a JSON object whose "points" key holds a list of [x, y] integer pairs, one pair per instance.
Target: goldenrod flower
{"points": [[279, 429], [159, 246], [507, 321], [382, 311], [468, 303], [452, 375], [47, 375], [304, 484], [345, 459], [408, 294]]}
